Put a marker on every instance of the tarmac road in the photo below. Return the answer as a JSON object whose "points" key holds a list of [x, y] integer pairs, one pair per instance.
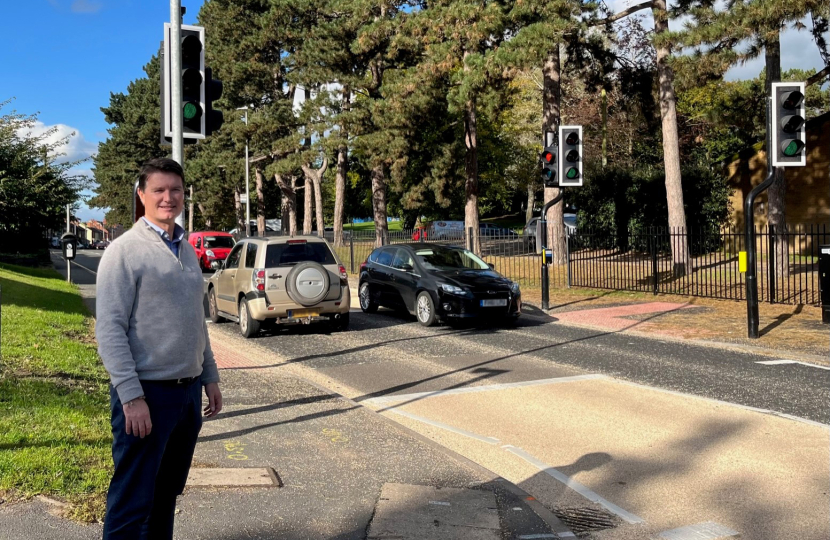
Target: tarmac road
{"points": [[656, 435]]}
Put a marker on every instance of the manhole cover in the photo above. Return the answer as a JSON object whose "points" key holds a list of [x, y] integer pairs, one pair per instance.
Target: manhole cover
{"points": [[585, 520]]}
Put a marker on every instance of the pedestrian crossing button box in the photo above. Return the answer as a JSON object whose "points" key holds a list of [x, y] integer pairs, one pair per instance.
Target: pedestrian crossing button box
{"points": [[69, 244], [824, 281]]}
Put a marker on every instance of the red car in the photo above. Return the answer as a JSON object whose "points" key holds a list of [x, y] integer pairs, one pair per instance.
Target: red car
{"points": [[212, 247]]}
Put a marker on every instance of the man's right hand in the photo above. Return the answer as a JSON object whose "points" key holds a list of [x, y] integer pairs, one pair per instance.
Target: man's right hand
{"points": [[137, 418]]}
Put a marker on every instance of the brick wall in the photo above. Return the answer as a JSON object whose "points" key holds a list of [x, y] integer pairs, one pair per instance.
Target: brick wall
{"points": [[808, 188]]}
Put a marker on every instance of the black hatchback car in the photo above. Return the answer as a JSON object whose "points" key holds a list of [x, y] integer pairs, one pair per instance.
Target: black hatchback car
{"points": [[435, 282]]}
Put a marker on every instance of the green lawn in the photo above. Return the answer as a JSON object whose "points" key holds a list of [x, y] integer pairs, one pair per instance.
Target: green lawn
{"points": [[54, 406], [370, 226]]}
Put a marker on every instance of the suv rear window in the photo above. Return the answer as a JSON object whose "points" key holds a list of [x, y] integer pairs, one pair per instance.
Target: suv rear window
{"points": [[290, 254]]}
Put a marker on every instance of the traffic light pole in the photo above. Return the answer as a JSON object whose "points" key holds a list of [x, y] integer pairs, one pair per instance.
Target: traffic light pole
{"points": [[543, 241], [751, 278], [176, 86]]}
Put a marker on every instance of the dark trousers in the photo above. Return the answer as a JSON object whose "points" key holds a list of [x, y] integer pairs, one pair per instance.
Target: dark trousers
{"points": [[151, 472]]}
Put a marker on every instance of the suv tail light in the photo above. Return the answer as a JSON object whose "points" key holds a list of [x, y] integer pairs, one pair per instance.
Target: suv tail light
{"points": [[258, 279], [363, 266], [344, 277]]}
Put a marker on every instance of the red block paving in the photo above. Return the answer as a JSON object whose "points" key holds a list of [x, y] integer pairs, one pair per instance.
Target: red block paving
{"points": [[228, 358], [612, 318]]}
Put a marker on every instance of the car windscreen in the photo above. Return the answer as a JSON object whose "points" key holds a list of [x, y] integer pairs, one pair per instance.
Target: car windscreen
{"points": [[218, 242], [291, 254], [439, 258]]}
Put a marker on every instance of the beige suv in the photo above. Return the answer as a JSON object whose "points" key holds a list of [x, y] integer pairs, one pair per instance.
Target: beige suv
{"points": [[280, 280]]}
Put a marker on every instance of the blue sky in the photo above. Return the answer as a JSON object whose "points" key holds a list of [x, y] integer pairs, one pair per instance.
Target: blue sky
{"points": [[62, 58]]}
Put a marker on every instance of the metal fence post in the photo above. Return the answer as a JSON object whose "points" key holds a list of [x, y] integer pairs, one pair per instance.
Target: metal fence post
{"points": [[653, 238], [351, 250], [469, 239], [568, 258], [771, 281]]}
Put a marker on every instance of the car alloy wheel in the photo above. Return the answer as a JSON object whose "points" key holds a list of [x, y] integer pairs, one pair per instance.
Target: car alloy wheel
{"points": [[425, 309], [212, 308], [365, 297]]}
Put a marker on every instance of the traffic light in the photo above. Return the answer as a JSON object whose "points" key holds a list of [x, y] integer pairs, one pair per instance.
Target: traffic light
{"points": [[548, 159], [570, 156], [787, 126], [213, 91], [193, 83]]}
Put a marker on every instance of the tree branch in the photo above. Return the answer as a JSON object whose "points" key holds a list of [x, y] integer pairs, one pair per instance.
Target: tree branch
{"points": [[818, 77], [622, 14]]}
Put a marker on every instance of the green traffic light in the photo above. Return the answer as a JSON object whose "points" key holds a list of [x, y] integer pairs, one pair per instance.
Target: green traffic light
{"points": [[190, 111], [572, 173], [792, 147]]}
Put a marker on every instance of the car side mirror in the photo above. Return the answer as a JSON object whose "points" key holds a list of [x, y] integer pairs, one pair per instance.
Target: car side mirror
{"points": [[407, 267], [492, 266]]}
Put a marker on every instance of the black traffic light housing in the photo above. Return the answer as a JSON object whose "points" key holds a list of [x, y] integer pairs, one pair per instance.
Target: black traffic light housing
{"points": [[570, 156], [787, 125], [549, 173], [213, 91], [69, 245]]}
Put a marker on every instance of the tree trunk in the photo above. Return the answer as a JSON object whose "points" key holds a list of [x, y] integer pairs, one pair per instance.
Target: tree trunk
{"points": [[671, 148], [208, 220], [776, 200], [342, 174], [604, 128], [531, 201], [308, 190], [260, 203], [315, 180], [289, 203], [551, 118], [471, 170], [379, 205]]}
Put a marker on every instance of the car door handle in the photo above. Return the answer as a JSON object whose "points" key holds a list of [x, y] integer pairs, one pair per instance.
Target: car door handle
{"points": [[274, 276]]}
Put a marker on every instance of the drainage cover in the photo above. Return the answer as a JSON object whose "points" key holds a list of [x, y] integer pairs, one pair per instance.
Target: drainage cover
{"points": [[585, 520]]}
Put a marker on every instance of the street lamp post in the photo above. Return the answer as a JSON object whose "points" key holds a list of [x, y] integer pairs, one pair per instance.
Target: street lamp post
{"points": [[247, 182]]}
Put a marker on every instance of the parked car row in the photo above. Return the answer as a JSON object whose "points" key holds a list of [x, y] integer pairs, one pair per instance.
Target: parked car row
{"points": [[55, 243], [265, 282]]}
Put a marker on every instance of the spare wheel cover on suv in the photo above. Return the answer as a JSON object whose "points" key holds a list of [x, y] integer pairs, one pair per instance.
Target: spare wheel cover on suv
{"points": [[307, 283]]}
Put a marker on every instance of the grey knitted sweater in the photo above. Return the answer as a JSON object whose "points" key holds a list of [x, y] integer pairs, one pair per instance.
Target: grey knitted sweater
{"points": [[150, 322]]}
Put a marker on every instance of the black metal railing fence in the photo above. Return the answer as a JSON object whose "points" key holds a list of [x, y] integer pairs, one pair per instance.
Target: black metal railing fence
{"points": [[787, 261]]}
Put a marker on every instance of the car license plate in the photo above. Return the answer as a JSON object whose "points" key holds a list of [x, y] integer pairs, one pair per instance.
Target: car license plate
{"points": [[299, 313], [493, 303]]}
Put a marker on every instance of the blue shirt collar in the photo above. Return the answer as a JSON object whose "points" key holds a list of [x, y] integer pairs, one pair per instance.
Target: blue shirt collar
{"points": [[178, 231]]}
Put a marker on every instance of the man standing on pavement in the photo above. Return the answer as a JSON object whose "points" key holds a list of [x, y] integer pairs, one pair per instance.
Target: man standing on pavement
{"points": [[153, 341]]}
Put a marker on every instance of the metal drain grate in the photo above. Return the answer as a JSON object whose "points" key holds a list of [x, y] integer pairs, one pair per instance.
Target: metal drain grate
{"points": [[585, 520]]}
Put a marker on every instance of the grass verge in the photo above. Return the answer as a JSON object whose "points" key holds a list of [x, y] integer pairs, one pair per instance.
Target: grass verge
{"points": [[54, 406]]}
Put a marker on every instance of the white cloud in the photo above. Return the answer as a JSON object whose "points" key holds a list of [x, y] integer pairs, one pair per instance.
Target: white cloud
{"points": [[798, 51], [75, 146]]}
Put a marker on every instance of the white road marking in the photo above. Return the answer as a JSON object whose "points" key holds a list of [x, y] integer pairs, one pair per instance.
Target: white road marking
{"points": [[488, 440], [486, 388], [700, 531], [784, 362], [534, 536], [85, 268], [574, 485]]}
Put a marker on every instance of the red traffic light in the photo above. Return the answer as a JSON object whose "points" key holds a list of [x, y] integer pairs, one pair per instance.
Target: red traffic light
{"points": [[548, 157]]}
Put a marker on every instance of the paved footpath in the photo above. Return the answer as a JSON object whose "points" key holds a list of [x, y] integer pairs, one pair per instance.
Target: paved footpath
{"points": [[331, 459]]}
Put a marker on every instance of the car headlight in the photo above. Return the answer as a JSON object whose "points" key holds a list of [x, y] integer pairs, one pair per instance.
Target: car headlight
{"points": [[514, 286], [452, 289], [209, 253]]}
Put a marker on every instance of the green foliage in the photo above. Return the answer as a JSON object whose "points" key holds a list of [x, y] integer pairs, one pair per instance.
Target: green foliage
{"points": [[624, 203], [34, 188], [133, 139]]}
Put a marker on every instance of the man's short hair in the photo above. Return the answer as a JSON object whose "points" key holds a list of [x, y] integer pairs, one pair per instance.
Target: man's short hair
{"points": [[157, 165]]}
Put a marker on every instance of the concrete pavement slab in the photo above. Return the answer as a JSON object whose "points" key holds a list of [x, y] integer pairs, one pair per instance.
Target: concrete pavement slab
{"points": [[417, 512]]}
